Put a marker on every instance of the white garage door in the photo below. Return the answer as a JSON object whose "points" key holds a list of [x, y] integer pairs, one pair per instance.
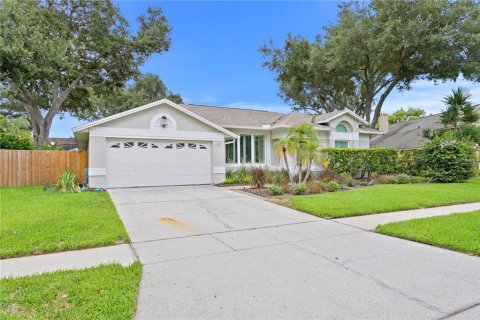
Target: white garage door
{"points": [[141, 163]]}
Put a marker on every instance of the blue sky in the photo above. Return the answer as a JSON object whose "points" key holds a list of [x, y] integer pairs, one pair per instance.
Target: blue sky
{"points": [[214, 56]]}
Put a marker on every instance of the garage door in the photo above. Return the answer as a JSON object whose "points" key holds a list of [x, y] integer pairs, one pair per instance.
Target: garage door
{"points": [[141, 163]]}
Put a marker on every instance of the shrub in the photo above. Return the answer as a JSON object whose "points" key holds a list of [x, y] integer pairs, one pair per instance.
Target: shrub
{"points": [[230, 175], [347, 180], [328, 175], [15, 142], [350, 182], [66, 182], [275, 189], [51, 147], [258, 177], [299, 188], [230, 180], [407, 162], [387, 179], [15, 134], [50, 188], [418, 179], [354, 161], [279, 177], [242, 175], [445, 159], [403, 178], [332, 186], [364, 183], [315, 186]]}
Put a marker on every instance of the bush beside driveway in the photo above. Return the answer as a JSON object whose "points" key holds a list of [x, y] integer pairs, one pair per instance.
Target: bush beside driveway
{"points": [[387, 198], [37, 222]]}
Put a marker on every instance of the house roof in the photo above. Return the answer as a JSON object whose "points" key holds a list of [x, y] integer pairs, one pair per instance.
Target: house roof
{"points": [[226, 117], [234, 117], [293, 119], [258, 119], [407, 135]]}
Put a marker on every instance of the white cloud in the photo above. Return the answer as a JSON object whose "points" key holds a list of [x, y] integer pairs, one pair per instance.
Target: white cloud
{"points": [[428, 96]]}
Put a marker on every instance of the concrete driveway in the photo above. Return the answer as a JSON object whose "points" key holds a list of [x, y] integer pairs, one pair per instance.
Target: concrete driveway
{"points": [[210, 253]]}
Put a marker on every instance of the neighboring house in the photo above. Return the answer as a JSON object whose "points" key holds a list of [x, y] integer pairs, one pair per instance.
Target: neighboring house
{"points": [[65, 143], [406, 135], [163, 143]]}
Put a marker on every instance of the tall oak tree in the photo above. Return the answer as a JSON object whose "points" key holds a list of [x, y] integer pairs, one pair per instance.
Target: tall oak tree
{"points": [[53, 53], [377, 47]]}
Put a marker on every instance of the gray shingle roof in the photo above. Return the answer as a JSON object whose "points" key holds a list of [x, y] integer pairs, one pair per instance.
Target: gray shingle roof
{"points": [[408, 134], [235, 117]]}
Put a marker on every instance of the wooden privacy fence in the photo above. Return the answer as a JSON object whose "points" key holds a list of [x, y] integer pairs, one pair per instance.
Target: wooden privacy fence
{"points": [[31, 167]]}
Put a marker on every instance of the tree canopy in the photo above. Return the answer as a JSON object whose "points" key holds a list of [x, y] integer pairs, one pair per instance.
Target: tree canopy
{"points": [[459, 118], [145, 89], [302, 145], [54, 54], [402, 115], [15, 134], [374, 48], [460, 109]]}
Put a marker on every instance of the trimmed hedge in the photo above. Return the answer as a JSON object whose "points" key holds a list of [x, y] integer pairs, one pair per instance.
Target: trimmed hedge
{"points": [[366, 161]]}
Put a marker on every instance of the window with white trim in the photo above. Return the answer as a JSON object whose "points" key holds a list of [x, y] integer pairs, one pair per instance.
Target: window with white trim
{"points": [[249, 148], [341, 144]]}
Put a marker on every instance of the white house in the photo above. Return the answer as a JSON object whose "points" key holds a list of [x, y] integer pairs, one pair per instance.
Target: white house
{"points": [[163, 143]]}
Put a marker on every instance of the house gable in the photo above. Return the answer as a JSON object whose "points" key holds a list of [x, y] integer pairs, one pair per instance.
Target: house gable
{"points": [[141, 118]]}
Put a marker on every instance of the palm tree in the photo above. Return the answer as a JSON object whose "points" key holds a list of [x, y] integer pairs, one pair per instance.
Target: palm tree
{"points": [[284, 147], [459, 109], [301, 143]]}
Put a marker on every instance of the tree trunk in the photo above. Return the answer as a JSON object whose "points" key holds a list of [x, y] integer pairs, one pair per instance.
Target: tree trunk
{"points": [[41, 132], [309, 170], [368, 108], [286, 165], [300, 168], [378, 107]]}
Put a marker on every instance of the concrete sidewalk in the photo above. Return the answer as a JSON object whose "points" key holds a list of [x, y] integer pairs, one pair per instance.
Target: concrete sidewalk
{"points": [[78, 259], [370, 222]]}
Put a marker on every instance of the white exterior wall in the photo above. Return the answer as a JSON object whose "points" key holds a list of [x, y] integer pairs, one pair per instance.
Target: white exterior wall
{"points": [[137, 126], [352, 136], [97, 147], [364, 141]]}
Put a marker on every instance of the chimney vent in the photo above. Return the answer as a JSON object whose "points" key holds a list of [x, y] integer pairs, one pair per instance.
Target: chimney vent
{"points": [[383, 122]]}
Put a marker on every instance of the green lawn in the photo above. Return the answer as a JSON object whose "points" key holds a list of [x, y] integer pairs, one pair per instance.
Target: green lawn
{"points": [[34, 222], [386, 198], [460, 231], [105, 292]]}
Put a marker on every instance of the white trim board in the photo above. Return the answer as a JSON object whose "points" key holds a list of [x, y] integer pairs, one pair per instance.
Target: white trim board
{"points": [[110, 132], [341, 114]]}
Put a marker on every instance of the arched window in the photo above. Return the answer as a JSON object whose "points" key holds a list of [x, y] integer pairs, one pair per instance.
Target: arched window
{"points": [[341, 128]]}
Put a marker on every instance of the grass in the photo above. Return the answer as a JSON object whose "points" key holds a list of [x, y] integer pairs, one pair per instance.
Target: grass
{"points": [[460, 231], [105, 292], [35, 222], [386, 198]]}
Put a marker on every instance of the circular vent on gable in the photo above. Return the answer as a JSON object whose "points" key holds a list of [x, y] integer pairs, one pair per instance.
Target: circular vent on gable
{"points": [[163, 121]]}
